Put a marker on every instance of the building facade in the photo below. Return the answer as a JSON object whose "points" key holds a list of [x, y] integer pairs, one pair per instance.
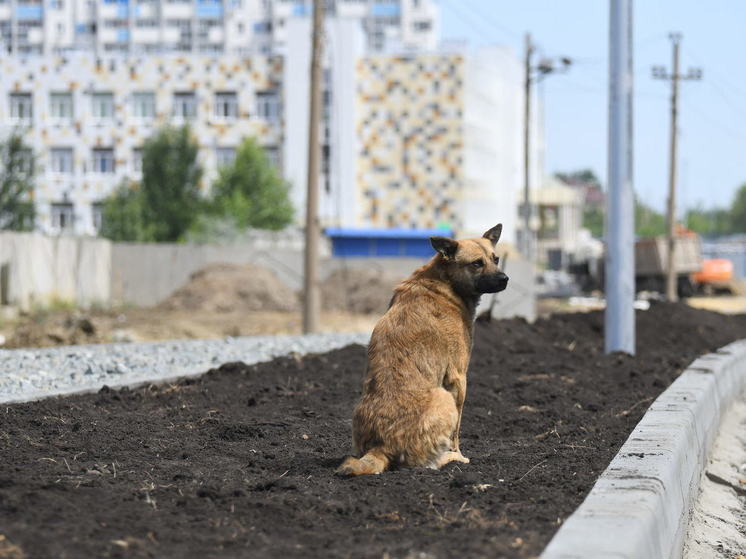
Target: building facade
{"points": [[414, 140], [200, 26], [86, 120], [413, 136]]}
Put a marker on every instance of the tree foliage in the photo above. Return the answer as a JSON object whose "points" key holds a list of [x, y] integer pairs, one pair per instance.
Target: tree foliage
{"points": [[170, 191], [710, 223], [251, 192], [648, 222], [167, 202], [17, 173], [738, 211], [122, 215]]}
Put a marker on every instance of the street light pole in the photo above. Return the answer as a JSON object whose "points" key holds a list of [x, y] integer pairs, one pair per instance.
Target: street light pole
{"points": [[527, 240], [620, 255], [533, 74]]}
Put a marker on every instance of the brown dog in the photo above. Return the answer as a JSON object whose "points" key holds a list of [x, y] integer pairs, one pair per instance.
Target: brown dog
{"points": [[415, 385]]}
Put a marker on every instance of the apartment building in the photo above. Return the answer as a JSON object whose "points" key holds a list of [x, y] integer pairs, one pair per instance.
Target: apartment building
{"points": [[88, 118], [411, 139], [200, 26]]}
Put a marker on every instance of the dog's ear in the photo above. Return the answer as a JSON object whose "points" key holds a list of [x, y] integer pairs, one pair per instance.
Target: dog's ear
{"points": [[445, 246], [493, 235]]}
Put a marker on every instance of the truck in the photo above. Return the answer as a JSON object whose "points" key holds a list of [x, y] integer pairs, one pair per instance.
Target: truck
{"points": [[694, 274]]}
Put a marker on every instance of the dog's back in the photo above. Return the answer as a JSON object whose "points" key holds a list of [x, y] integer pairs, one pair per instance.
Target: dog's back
{"points": [[415, 386], [404, 414]]}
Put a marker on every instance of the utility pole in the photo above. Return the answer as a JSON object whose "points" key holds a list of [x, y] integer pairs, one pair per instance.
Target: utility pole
{"points": [[311, 295], [527, 240], [659, 72], [619, 316], [533, 74]]}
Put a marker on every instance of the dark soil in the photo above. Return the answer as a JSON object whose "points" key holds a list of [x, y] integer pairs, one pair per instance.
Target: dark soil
{"points": [[239, 462]]}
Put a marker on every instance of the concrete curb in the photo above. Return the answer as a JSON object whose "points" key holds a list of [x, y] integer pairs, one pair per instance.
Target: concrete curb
{"points": [[639, 507]]}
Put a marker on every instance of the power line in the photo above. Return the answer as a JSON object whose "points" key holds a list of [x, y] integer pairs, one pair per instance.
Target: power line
{"points": [[484, 32]]}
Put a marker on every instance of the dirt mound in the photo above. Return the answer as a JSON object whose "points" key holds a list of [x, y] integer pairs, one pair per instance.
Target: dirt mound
{"points": [[41, 331], [240, 462], [359, 290], [232, 287]]}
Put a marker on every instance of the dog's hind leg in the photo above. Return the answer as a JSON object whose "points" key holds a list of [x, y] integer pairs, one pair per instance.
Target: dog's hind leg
{"points": [[373, 462], [448, 457]]}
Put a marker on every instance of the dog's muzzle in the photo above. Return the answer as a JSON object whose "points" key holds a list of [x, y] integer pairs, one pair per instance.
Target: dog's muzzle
{"points": [[492, 283]]}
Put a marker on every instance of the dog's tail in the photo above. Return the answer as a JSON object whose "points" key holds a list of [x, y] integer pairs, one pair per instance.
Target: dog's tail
{"points": [[374, 462]]}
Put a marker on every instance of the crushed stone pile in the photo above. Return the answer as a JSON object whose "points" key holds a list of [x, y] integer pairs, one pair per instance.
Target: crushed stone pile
{"points": [[232, 287]]}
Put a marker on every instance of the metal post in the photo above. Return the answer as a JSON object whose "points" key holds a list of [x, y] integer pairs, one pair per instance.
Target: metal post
{"points": [[671, 274], [527, 237], [620, 263], [312, 299]]}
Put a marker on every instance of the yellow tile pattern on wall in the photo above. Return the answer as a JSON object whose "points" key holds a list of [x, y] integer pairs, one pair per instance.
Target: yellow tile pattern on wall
{"points": [[410, 127]]}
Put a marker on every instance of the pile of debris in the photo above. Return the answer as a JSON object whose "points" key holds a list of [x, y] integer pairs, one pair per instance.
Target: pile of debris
{"points": [[232, 287], [359, 290]]}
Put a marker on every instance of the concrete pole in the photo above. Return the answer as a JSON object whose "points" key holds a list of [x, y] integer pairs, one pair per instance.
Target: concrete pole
{"points": [[527, 236], [311, 295], [671, 275], [620, 255]]}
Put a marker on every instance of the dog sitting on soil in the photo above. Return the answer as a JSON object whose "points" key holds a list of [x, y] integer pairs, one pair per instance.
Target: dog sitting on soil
{"points": [[415, 385]]}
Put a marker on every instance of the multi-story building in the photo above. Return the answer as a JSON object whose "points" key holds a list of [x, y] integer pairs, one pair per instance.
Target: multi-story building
{"points": [[412, 137], [200, 26], [416, 140], [86, 120]]}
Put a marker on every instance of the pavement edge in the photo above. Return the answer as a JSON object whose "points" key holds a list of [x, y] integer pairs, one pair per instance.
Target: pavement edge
{"points": [[639, 506]]}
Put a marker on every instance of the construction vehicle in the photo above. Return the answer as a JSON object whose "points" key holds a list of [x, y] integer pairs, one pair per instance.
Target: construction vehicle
{"points": [[694, 274]]}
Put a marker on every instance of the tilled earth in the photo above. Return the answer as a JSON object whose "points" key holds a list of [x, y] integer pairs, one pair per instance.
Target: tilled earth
{"points": [[240, 462]]}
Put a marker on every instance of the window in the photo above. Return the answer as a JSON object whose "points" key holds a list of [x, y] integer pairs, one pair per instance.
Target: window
{"points": [[268, 105], [25, 160], [422, 25], [143, 104], [103, 160], [63, 217], [103, 105], [225, 156], [185, 105], [137, 160], [226, 104], [97, 215], [21, 106], [61, 161], [273, 156], [61, 105]]}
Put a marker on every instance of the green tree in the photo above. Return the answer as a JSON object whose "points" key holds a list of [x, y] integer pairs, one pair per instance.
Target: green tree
{"points": [[251, 192], [170, 192], [593, 220], [648, 222], [712, 222], [122, 215], [738, 211], [17, 172]]}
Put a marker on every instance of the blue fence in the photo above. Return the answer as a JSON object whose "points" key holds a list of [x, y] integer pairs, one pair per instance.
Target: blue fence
{"points": [[390, 243]]}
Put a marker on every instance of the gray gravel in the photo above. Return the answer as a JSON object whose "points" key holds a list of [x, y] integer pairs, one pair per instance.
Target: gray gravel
{"points": [[31, 374]]}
